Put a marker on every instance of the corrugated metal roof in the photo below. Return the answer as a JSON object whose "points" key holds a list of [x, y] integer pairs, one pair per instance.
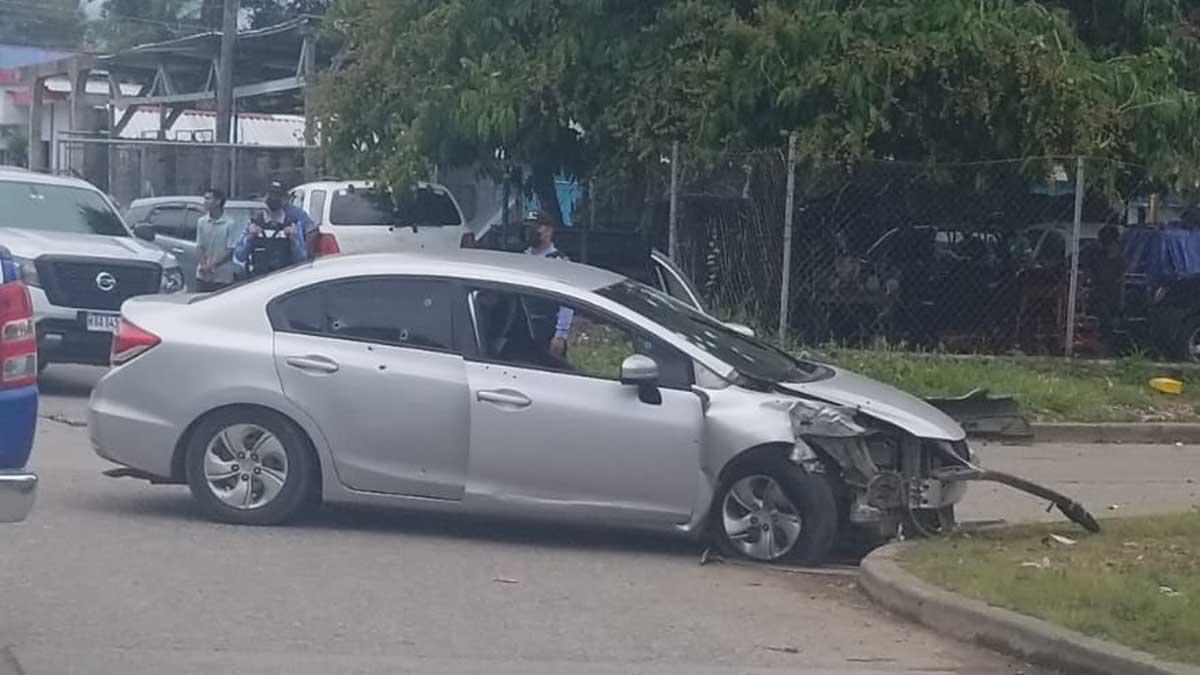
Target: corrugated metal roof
{"points": [[200, 126]]}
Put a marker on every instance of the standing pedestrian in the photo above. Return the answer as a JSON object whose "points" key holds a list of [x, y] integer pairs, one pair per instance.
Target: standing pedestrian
{"points": [[216, 238], [296, 215], [551, 323], [271, 241]]}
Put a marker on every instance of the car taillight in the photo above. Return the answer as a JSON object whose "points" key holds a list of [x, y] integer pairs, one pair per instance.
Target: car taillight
{"points": [[131, 341], [18, 339], [327, 244]]}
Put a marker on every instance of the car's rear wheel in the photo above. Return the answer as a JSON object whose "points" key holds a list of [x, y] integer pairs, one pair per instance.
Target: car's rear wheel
{"points": [[772, 510], [249, 466]]}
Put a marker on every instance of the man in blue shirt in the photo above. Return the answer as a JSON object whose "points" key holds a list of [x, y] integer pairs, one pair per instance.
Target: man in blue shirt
{"points": [[271, 243], [550, 328], [296, 215]]}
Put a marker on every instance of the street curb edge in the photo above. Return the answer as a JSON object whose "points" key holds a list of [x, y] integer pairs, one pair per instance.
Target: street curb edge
{"points": [[1034, 640], [1165, 433]]}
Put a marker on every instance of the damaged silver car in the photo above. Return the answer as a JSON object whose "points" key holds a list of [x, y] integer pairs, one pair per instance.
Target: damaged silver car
{"points": [[514, 385]]}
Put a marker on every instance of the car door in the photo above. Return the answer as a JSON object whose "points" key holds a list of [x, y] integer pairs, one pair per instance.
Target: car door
{"points": [[175, 232], [672, 281], [371, 360], [563, 435]]}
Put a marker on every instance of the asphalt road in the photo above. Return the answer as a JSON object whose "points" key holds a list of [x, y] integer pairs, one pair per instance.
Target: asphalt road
{"points": [[116, 576]]}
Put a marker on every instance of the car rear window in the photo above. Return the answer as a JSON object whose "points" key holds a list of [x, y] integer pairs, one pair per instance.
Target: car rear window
{"points": [[57, 208], [424, 207]]}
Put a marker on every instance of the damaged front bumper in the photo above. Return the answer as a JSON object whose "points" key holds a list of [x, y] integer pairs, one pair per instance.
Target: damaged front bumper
{"points": [[888, 476]]}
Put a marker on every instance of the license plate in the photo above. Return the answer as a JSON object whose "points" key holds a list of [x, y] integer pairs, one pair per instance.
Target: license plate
{"points": [[103, 323]]}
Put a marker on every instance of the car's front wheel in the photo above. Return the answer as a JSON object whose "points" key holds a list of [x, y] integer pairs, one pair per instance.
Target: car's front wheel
{"points": [[249, 467], [773, 510]]}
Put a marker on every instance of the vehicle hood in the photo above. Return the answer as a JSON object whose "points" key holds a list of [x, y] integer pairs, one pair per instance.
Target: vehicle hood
{"points": [[34, 243], [881, 401]]}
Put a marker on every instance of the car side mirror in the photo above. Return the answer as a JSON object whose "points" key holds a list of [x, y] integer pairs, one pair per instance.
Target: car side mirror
{"points": [[741, 329], [642, 371], [144, 231]]}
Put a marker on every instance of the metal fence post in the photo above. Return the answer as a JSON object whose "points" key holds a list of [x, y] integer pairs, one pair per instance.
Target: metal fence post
{"points": [[785, 290], [673, 217], [1074, 281]]}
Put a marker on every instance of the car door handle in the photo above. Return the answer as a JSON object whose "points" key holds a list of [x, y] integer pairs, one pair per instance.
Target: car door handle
{"points": [[177, 250], [316, 364], [504, 397]]}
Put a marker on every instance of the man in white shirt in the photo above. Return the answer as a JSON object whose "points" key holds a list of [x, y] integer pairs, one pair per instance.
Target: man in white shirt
{"points": [[551, 325]]}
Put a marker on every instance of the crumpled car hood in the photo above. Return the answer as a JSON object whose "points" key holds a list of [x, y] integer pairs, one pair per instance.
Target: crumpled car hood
{"points": [[881, 401]]}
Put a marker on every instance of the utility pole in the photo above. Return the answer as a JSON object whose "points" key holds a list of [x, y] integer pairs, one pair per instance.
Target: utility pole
{"points": [[229, 28]]}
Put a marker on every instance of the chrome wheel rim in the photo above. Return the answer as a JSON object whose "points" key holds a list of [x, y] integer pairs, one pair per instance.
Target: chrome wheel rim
{"points": [[245, 466], [759, 519], [1194, 346]]}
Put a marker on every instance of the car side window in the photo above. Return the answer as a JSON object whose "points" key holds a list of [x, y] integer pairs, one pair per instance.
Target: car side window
{"points": [[298, 199], [521, 329], [386, 310], [169, 219], [317, 213], [137, 215]]}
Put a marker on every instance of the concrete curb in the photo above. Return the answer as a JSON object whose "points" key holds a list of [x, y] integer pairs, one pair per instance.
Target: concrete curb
{"points": [[1165, 433], [1025, 637]]}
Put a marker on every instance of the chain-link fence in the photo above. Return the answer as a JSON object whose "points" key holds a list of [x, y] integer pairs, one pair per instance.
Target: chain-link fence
{"points": [[131, 169], [967, 258]]}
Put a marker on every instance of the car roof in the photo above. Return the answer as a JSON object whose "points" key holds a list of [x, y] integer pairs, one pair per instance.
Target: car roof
{"points": [[193, 199], [332, 185], [492, 265], [19, 175]]}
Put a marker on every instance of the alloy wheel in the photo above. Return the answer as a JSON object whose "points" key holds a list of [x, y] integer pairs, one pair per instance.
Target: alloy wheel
{"points": [[245, 466], [760, 520]]}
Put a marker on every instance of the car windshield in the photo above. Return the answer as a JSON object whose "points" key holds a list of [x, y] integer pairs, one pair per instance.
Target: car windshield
{"points": [[57, 208], [422, 206], [751, 357]]}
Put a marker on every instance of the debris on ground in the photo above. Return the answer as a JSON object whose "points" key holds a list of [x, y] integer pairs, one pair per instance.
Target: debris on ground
{"points": [[505, 580], [1051, 539], [785, 650], [1041, 565]]}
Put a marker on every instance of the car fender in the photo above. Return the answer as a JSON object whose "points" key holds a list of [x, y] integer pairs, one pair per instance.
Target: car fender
{"points": [[736, 421]]}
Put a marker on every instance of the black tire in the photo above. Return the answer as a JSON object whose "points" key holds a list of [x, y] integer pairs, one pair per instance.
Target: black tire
{"points": [[809, 494], [302, 472]]}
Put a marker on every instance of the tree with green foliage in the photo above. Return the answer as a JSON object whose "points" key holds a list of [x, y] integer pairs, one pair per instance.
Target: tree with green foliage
{"points": [[582, 86], [54, 24]]}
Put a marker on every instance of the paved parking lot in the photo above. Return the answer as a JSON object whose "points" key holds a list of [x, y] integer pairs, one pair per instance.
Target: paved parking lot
{"points": [[116, 576]]}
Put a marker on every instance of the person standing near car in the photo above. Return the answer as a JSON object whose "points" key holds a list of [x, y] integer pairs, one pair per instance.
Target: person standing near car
{"points": [[270, 241], [216, 238], [551, 324], [296, 215]]}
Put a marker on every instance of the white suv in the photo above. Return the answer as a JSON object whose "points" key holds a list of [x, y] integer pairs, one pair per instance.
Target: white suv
{"points": [[79, 260], [362, 220]]}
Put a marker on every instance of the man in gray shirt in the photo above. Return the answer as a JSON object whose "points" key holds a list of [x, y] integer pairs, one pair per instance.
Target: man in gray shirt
{"points": [[216, 237]]}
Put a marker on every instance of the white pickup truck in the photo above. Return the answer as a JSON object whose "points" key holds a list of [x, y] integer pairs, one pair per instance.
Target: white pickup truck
{"points": [[80, 261]]}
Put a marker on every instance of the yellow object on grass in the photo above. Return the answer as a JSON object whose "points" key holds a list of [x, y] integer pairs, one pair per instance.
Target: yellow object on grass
{"points": [[1167, 385]]}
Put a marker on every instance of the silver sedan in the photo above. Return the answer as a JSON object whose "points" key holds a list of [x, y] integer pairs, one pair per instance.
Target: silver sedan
{"points": [[513, 385]]}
